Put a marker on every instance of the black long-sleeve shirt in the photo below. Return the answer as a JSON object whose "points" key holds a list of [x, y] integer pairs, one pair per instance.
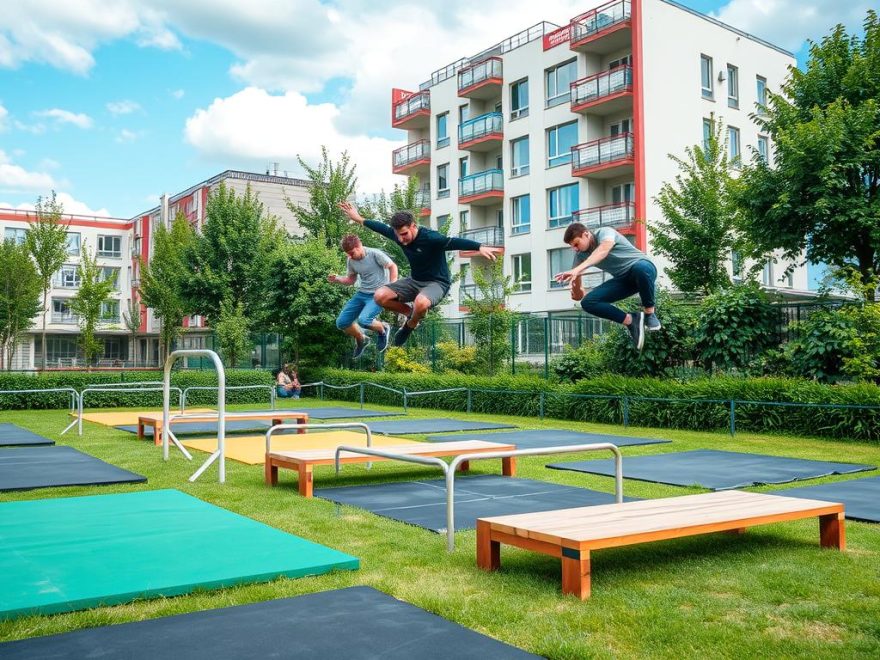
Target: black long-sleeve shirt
{"points": [[427, 253]]}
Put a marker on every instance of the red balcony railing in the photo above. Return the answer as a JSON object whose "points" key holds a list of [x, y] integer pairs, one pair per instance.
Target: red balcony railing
{"points": [[597, 22], [411, 157], [602, 154], [593, 90], [413, 111], [481, 80], [617, 215]]}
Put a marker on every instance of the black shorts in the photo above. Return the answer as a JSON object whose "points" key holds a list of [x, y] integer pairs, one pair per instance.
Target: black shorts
{"points": [[407, 289]]}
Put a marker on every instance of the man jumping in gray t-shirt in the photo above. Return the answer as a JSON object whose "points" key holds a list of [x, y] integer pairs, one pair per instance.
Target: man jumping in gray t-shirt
{"points": [[631, 272]]}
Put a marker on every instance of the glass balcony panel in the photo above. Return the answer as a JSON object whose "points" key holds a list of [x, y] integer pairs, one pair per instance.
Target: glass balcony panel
{"points": [[411, 153], [481, 182], [485, 70], [411, 105], [601, 85], [481, 126], [606, 150], [592, 22], [492, 236]]}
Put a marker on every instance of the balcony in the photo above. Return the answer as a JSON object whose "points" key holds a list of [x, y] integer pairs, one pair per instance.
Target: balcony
{"points": [[603, 93], [483, 80], [482, 189], [604, 158], [413, 112], [470, 291], [65, 318], [491, 236], [604, 29], [482, 133], [412, 158], [620, 216], [423, 201]]}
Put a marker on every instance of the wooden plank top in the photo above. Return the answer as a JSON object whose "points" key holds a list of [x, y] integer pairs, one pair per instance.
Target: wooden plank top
{"points": [[151, 420], [417, 449], [610, 525]]}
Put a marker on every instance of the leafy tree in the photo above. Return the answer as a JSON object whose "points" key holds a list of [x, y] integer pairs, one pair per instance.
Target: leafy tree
{"points": [[162, 280], [490, 320], [697, 234], [332, 183], [88, 303], [131, 318], [233, 333], [822, 193], [20, 288], [47, 243]]}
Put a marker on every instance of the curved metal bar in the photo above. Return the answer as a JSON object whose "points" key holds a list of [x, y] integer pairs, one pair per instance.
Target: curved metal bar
{"points": [[187, 390], [74, 399], [221, 410], [450, 389], [82, 396], [406, 458], [333, 425]]}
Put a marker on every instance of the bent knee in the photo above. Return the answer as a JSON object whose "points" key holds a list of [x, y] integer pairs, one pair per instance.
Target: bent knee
{"points": [[341, 323], [421, 304], [383, 296]]}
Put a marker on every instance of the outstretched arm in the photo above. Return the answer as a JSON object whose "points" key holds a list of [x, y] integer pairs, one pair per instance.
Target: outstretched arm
{"points": [[598, 255], [348, 280], [379, 227], [349, 210]]}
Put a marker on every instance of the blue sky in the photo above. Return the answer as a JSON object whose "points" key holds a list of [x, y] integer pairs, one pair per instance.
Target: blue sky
{"points": [[112, 107]]}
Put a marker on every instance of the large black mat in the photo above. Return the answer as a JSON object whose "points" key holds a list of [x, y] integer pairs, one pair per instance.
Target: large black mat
{"points": [[423, 503], [45, 467], [713, 469], [861, 497], [15, 436], [438, 425], [358, 623], [535, 438]]}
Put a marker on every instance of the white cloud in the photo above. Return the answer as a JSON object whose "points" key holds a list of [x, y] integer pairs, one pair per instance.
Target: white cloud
{"points": [[177, 93], [14, 178], [124, 107], [70, 205], [125, 136], [79, 119], [4, 118]]}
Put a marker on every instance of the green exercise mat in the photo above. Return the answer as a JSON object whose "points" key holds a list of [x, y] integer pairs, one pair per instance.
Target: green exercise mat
{"points": [[75, 553]]}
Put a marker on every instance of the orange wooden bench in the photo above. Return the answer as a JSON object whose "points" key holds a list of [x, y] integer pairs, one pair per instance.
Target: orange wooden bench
{"points": [[274, 416], [572, 533], [304, 461]]}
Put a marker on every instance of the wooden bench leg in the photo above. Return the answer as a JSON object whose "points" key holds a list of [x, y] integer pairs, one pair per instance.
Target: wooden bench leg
{"points": [[576, 573], [271, 473], [832, 531], [738, 530], [305, 480], [140, 431], [303, 420], [488, 551], [508, 466], [464, 466], [157, 434]]}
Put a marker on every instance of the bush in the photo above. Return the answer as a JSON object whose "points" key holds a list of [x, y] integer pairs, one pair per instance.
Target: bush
{"points": [[397, 361], [452, 357], [585, 361]]}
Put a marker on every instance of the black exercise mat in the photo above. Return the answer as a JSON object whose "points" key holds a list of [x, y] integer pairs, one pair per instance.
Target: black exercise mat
{"points": [[205, 428], [357, 623], [45, 467], [535, 438], [714, 469], [342, 413], [15, 436], [439, 425], [423, 503], [861, 497]]}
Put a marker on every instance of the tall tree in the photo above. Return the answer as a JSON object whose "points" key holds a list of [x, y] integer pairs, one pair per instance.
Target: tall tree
{"points": [[47, 243], [490, 319], [233, 333], [821, 192], [131, 318], [697, 232], [20, 288], [331, 183], [88, 303]]}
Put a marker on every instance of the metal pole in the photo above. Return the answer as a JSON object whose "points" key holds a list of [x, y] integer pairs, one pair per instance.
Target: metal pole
{"points": [[625, 411], [546, 347], [732, 417], [404, 400], [541, 406], [434, 346], [362, 396], [469, 400], [512, 348]]}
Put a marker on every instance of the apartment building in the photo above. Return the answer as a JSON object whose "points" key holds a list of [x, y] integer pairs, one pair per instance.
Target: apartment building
{"points": [[574, 123]]}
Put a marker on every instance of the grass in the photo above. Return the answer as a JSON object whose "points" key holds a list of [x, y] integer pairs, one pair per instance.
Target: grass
{"points": [[770, 592]]}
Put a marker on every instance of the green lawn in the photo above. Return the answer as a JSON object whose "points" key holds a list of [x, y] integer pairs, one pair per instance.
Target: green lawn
{"points": [[770, 592]]}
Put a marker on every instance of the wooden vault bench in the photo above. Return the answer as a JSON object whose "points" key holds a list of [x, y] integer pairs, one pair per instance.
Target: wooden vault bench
{"points": [[304, 461], [274, 416], [572, 533]]}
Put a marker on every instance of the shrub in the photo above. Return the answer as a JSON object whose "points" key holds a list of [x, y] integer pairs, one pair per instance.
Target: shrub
{"points": [[452, 357], [397, 361], [574, 364]]}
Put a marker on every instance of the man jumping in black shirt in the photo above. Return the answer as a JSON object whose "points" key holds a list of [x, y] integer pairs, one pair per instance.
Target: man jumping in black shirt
{"points": [[429, 279]]}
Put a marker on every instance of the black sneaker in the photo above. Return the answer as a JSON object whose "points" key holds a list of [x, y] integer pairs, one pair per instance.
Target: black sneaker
{"points": [[402, 335], [652, 323], [637, 330], [359, 346], [382, 338]]}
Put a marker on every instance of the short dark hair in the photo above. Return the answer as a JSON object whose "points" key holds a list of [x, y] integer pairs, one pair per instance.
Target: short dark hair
{"points": [[574, 230], [402, 219], [350, 242]]}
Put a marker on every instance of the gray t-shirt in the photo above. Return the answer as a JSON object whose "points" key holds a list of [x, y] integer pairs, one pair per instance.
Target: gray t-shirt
{"points": [[370, 270], [621, 257]]}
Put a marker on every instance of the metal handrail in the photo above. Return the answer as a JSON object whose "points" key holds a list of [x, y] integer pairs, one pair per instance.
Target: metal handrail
{"points": [[74, 398], [82, 396], [450, 468], [332, 425], [271, 389]]}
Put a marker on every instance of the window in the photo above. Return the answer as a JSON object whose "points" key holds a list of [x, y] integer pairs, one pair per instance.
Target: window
{"points": [[110, 311], [623, 61], [519, 99], [559, 80], [761, 89], [463, 167], [560, 140], [107, 273], [764, 148], [619, 127], [736, 265], [67, 277], [73, 243], [561, 203], [558, 261], [464, 274], [732, 86], [733, 146], [15, 234], [61, 312], [706, 76], [522, 272], [499, 218], [521, 213], [463, 220], [707, 133], [519, 156], [464, 113], [767, 273], [443, 222], [443, 181], [442, 130], [109, 246]]}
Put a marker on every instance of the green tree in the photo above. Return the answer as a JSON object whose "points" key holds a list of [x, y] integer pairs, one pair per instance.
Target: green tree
{"points": [[163, 278], [88, 303], [331, 183], [47, 244], [821, 192], [697, 233], [409, 197], [20, 288], [233, 333], [131, 318], [489, 319]]}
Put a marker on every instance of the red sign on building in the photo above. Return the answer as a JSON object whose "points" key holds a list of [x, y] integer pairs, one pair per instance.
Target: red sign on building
{"points": [[557, 37]]}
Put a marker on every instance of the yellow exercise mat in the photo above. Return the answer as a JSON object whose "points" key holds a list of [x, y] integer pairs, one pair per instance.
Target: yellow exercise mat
{"points": [[130, 417], [251, 449]]}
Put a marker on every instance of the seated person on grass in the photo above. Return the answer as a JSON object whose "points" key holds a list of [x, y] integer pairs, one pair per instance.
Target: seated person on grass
{"points": [[287, 383]]}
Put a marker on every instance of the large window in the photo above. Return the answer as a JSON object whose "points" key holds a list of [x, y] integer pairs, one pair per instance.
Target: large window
{"points": [[707, 133], [61, 312], [463, 220], [761, 93], [443, 181], [464, 113], [733, 146], [108, 272], [519, 156], [764, 148], [443, 130], [521, 213], [767, 273], [736, 265], [67, 277], [15, 234], [109, 246], [463, 167], [110, 311], [519, 99], [560, 140], [624, 192], [706, 76], [559, 80], [73, 243], [732, 86], [522, 272], [561, 203], [558, 261]]}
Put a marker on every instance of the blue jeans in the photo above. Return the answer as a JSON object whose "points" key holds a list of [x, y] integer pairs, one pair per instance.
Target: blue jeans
{"points": [[640, 278], [361, 308], [284, 393]]}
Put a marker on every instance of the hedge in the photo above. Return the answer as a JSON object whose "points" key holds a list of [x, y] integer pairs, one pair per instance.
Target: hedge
{"points": [[695, 404]]}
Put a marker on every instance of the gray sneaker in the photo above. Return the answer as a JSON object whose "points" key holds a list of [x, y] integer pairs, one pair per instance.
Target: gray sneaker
{"points": [[652, 323], [637, 330], [359, 346], [382, 338]]}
